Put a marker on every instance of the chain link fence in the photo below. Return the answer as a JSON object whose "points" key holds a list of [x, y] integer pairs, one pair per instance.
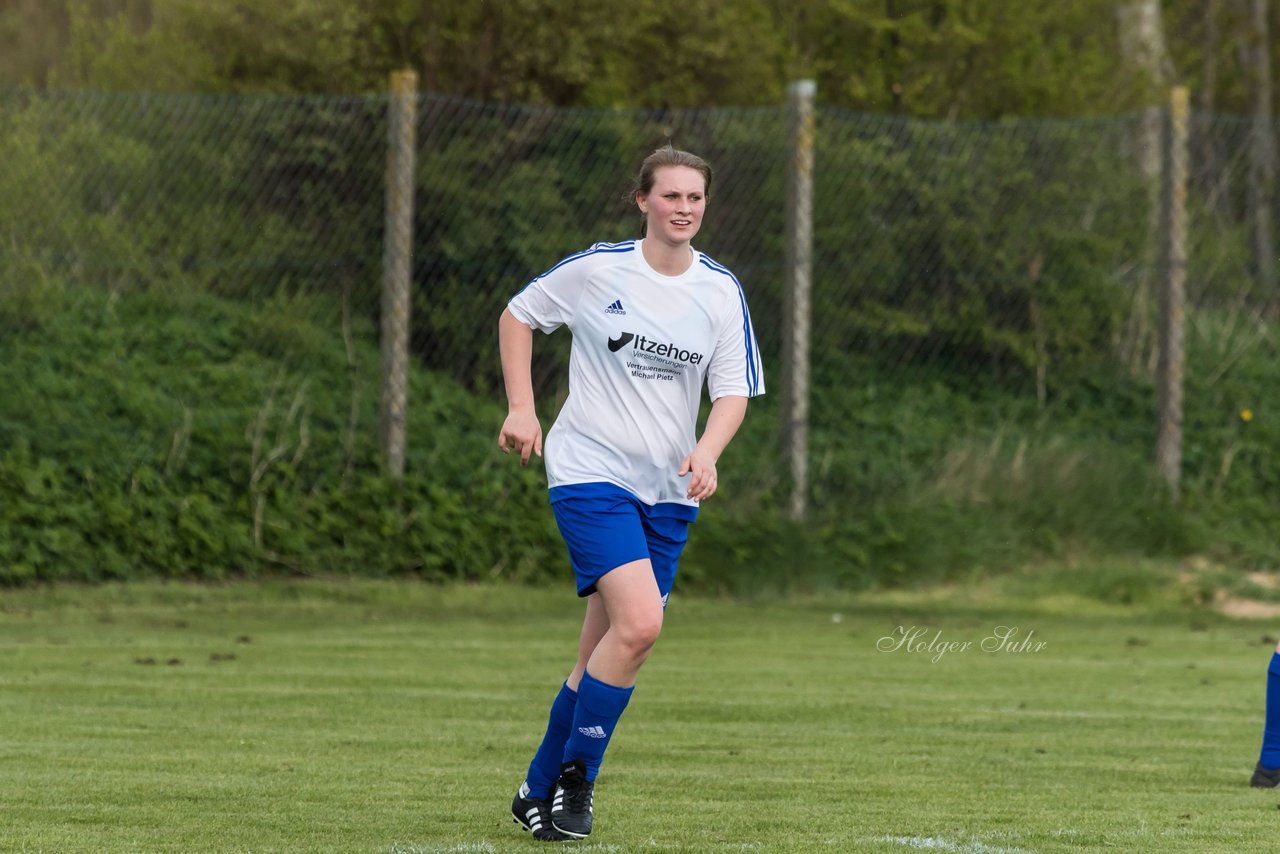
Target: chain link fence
{"points": [[990, 272]]}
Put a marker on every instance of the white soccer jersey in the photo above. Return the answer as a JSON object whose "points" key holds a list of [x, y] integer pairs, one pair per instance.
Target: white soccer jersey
{"points": [[643, 343]]}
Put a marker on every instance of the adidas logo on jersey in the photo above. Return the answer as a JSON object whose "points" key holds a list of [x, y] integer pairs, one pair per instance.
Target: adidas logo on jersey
{"points": [[592, 731], [615, 307]]}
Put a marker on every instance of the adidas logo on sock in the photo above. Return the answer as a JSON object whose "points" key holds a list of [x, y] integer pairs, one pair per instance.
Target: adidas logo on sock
{"points": [[592, 731], [615, 307]]}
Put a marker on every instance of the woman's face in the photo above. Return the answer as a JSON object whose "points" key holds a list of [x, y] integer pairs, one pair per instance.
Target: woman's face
{"points": [[674, 207]]}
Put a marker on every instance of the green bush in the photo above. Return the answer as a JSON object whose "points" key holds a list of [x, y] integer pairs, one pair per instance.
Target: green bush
{"points": [[928, 484], [176, 433], [179, 434]]}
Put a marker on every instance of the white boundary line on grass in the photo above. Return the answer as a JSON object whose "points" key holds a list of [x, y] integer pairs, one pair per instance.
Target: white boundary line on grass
{"points": [[927, 843], [935, 843], [488, 848]]}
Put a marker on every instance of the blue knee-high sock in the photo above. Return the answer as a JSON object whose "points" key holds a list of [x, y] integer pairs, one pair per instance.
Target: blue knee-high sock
{"points": [[1270, 757], [544, 770], [599, 707]]}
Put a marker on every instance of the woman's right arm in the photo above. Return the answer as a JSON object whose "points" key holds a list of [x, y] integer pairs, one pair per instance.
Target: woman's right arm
{"points": [[521, 430]]}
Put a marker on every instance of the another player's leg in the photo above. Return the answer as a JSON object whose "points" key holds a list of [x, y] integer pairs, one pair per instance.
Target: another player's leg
{"points": [[531, 808], [1266, 774], [633, 605]]}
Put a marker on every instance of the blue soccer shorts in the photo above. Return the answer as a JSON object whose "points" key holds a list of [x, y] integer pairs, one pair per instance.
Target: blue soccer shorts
{"points": [[605, 526]]}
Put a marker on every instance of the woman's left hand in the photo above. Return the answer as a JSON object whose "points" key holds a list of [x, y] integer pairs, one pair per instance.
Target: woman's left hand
{"points": [[703, 482]]}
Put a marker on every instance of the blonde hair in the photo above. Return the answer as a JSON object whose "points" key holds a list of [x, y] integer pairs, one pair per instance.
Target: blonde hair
{"points": [[662, 157]]}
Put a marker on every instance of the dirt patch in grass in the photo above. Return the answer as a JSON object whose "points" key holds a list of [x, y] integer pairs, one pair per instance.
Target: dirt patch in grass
{"points": [[1250, 609]]}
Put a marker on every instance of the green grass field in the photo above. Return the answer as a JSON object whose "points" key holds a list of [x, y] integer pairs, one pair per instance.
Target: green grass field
{"points": [[398, 717]]}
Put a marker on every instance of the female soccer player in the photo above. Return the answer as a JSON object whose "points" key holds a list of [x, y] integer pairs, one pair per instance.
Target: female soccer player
{"points": [[652, 319]]}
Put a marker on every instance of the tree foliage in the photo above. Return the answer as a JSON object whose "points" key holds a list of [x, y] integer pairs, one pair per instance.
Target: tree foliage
{"points": [[924, 58]]}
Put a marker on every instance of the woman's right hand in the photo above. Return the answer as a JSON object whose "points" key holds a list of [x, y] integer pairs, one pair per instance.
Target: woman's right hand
{"points": [[521, 432]]}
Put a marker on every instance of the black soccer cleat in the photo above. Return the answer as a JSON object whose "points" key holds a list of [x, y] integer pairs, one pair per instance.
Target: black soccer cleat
{"points": [[571, 803], [534, 815], [1265, 778]]}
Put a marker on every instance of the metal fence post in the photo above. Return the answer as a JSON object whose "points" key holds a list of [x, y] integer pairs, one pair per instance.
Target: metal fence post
{"points": [[1262, 150], [1173, 271], [396, 269], [798, 291]]}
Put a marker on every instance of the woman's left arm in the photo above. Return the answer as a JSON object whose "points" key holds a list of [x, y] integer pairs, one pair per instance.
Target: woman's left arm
{"points": [[722, 423]]}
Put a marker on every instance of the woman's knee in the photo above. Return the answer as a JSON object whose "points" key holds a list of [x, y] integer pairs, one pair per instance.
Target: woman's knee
{"points": [[639, 632]]}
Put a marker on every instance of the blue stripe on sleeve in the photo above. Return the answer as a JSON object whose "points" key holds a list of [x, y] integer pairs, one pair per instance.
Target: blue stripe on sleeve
{"points": [[752, 375], [625, 246]]}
